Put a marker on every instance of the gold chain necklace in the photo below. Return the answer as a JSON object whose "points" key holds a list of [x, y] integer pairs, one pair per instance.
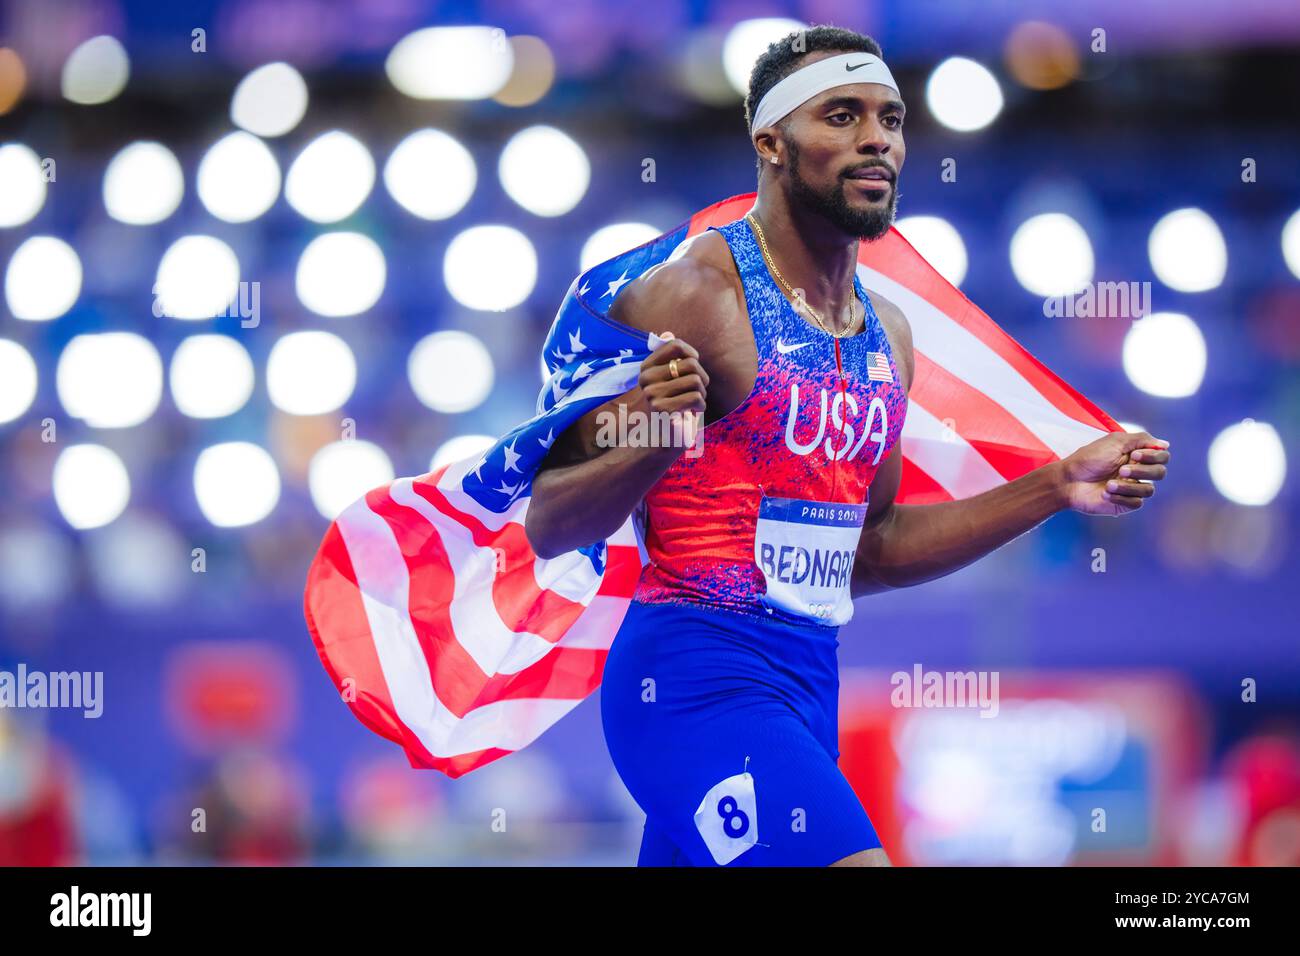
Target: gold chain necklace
{"points": [[789, 290]]}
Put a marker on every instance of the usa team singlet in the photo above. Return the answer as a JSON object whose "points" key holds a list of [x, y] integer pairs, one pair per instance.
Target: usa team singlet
{"points": [[720, 694]]}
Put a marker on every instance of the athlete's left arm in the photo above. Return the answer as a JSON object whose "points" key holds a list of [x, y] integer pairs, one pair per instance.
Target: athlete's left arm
{"points": [[902, 545]]}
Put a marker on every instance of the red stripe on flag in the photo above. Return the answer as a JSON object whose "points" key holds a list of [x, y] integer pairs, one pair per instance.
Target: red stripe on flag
{"points": [[1000, 438], [349, 654], [918, 488]]}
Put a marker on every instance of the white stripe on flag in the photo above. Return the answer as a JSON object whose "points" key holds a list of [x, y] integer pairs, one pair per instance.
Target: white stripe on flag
{"points": [[384, 583], [945, 456], [946, 343], [474, 617]]}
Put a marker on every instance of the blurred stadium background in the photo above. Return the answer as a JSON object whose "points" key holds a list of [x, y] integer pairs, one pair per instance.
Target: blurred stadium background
{"points": [[261, 256]]}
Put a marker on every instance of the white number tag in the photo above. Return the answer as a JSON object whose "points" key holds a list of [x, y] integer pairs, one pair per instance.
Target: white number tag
{"points": [[805, 550]]}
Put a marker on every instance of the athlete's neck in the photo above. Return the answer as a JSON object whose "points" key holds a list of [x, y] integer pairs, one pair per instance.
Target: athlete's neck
{"points": [[811, 252]]}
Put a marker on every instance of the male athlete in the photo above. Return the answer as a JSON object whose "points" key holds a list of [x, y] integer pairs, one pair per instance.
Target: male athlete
{"points": [[720, 692]]}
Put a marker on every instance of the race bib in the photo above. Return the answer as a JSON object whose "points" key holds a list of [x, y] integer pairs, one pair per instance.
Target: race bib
{"points": [[805, 550]]}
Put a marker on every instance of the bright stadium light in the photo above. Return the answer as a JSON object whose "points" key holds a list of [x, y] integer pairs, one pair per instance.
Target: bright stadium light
{"points": [[91, 486], [747, 41], [17, 380], [198, 278], [1051, 255], [1187, 251], [341, 273], [431, 174], [235, 483], [1291, 243], [938, 242], [1164, 355], [1248, 463], [310, 373], [963, 95], [331, 177], [43, 280], [211, 376], [544, 170], [460, 448], [109, 379], [24, 190], [238, 178], [143, 184], [451, 63], [343, 471], [490, 268], [270, 101], [608, 241], [450, 371], [96, 71]]}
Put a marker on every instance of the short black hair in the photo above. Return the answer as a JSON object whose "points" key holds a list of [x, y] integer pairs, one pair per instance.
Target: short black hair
{"points": [[786, 55]]}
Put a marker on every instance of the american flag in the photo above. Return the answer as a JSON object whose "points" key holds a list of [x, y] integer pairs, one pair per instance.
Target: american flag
{"points": [[878, 368], [444, 632]]}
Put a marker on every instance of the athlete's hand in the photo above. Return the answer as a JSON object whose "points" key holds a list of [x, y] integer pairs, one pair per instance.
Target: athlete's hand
{"points": [[682, 396], [1113, 475]]}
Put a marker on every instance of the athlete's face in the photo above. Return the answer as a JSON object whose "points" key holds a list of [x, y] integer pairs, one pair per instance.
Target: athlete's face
{"points": [[845, 152]]}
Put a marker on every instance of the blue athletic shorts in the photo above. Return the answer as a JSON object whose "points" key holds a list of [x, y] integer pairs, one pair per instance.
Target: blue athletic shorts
{"points": [[723, 726]]}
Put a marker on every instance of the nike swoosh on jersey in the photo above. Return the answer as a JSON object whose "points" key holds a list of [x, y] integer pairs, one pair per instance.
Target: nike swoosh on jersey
{"points": [[787, 349]]}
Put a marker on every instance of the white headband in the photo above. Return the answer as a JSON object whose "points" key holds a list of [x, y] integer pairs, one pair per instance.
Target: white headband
{"points": [[802, 85]]}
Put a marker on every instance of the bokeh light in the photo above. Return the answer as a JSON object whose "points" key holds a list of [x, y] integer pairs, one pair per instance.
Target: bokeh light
{"points": [[343, 471], [451, 63], [96, 71], [608, 241], [310, 373], [1187, 251], [235, 483], [1051, 255], [1291, 243], [544, 170], [963, 95], [331, 177], [490, 268], [340, 273], [17, 380], [24, 184], [431, 174], [450, 371], [460, 448], [939, 242], [239, 178], [198, 278], [270, 101], [43, 280], [747, 41], [1247, 463], [211, 376], [91, 486], [143, 184], [1164, 355], [109, 379]]}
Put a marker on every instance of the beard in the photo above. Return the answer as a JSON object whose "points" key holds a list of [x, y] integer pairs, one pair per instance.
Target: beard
{"points": [[831, 204]]}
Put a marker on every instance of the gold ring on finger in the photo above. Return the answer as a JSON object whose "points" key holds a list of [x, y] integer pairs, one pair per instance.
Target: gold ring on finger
{"points": [[672, 368]]}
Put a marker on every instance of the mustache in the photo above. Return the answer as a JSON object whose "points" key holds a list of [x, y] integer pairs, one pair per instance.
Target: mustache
{"points": [[877, 164]]}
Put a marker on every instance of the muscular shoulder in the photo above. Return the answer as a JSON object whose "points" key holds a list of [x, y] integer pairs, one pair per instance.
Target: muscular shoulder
{"points": [[688, 295], [899, 331]]}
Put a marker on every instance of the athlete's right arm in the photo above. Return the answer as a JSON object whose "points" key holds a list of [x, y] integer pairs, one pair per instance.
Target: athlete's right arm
{"points": [[584, 492]]}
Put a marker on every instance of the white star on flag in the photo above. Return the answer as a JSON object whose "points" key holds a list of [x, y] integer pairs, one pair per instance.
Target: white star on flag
{"points": [[617, 284], [575, 343], [512, 456]]}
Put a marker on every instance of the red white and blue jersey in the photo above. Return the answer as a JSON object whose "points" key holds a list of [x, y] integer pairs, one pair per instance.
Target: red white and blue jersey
{"points": [[823, 416]]}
